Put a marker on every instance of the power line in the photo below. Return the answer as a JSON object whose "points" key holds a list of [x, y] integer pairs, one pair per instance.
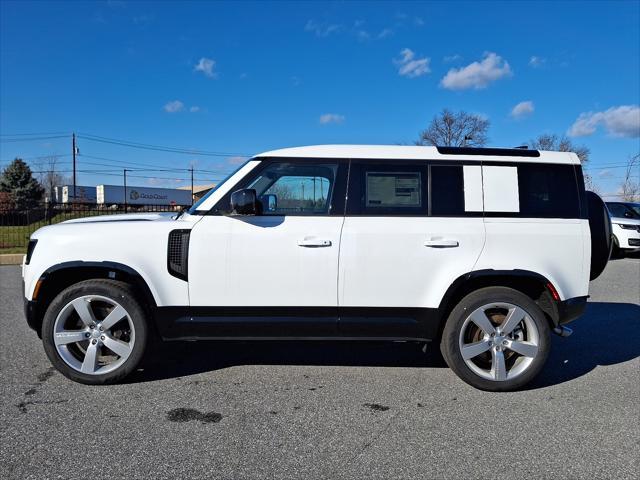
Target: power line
{"points": [[39, 157], [31, 134], [607, 167], [103, 171], [135, 164], [123, 162], [118, 173], [147, 146], [31, 139]]}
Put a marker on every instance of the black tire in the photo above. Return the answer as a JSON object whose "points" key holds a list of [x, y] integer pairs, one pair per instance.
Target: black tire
{"points": [[601, 236], [124, 295], [450, 344]]}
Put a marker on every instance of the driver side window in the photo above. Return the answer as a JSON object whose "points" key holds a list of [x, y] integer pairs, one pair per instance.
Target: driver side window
{"points": [[295, 188]]}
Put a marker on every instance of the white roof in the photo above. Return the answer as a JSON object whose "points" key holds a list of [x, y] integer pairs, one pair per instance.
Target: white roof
{"points": [[402, 152]]}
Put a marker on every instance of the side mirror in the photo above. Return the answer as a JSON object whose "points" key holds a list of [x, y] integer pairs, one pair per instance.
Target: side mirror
{"points": [[244, 202], [269, 202]]}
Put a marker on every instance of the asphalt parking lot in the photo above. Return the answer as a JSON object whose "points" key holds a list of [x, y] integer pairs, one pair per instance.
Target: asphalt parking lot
{"points": [[327, 410]]}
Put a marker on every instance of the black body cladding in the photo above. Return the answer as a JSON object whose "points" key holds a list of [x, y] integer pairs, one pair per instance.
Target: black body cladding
{"points": [[178, 253]]}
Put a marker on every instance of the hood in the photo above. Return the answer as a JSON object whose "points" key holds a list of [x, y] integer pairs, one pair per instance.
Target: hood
{"points": [[628, 221], [126, 217]]}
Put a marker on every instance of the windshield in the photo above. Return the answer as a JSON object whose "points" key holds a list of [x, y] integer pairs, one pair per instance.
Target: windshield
{"points": [[196, 205], [624, 210]]}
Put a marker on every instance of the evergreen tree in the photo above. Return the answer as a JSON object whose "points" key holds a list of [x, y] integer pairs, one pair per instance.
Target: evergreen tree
{"points": [[17, 180]]}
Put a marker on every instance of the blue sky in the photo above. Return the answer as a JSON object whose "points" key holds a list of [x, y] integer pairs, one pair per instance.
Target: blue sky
{"points": [[240, 78]]}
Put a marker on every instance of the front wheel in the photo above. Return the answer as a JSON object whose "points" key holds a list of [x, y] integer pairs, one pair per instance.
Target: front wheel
{"points": [[95, 332], [496, 339]]}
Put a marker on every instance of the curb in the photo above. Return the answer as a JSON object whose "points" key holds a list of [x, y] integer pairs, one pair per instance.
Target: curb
{"points": [[11, 258]]}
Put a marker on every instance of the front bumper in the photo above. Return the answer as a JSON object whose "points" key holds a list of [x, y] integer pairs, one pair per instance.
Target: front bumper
{"points": [[571, 309], [626, 238], [31, 312]]}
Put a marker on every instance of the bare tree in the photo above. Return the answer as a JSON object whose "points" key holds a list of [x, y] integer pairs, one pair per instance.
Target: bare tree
{"points": [[563, 144], [455, 129], [560, 144], [48, 175], [630, 187]]}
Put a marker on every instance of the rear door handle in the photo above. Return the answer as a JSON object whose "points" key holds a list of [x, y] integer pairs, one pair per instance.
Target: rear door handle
{"points": [[441, 243], [314, 242]]}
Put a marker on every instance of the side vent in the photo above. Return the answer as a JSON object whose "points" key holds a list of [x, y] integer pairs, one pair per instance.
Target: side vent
{"points": [[178, 253]]}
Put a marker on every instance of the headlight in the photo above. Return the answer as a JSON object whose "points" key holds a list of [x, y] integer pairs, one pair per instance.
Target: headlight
{"points": [[626, 226], [30, 249]]}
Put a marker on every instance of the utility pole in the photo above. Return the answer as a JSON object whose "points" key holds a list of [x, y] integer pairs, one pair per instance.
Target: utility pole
{"points": [[191, 184], [125, 190], [74, 149]]}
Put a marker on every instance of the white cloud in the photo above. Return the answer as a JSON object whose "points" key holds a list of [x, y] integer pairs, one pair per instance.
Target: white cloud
{"points": [[410, 66], [622, 121], [523, 109], [402, 18], [194, 109], [331, 118], [477, 75], [174, 106], [362, 35], [385, 32], [143, 19], [452, 58], [322, 29], [537, 62], [206, 66]]}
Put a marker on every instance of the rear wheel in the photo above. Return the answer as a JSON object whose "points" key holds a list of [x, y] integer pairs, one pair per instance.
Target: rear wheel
{"points": [[95, 332], [496, 339]]}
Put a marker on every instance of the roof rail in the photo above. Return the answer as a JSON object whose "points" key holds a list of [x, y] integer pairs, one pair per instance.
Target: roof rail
{"points": [[494, 152]]}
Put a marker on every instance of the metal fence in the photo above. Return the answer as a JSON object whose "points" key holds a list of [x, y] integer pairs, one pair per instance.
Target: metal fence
{"points": [[16, 226]]}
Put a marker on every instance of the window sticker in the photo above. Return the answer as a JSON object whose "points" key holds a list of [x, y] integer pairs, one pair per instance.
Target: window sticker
{"points": [[393, 189], [500, 187]]}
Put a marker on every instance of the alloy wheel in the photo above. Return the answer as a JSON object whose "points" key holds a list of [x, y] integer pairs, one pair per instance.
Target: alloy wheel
{"points": [[499, 341], [94, 334]]}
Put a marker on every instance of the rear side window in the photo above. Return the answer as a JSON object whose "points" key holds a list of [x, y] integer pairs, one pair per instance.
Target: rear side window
{"points": [[447, 190], [387, 189], [548, 191]]}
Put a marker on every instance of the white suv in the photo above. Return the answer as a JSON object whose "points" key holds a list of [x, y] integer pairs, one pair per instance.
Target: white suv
{"points": [[625, 220], [486, 251]]}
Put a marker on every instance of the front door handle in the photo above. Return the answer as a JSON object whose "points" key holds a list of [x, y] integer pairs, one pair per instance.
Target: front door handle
{"points": [[441, 243], [314, 242]]}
